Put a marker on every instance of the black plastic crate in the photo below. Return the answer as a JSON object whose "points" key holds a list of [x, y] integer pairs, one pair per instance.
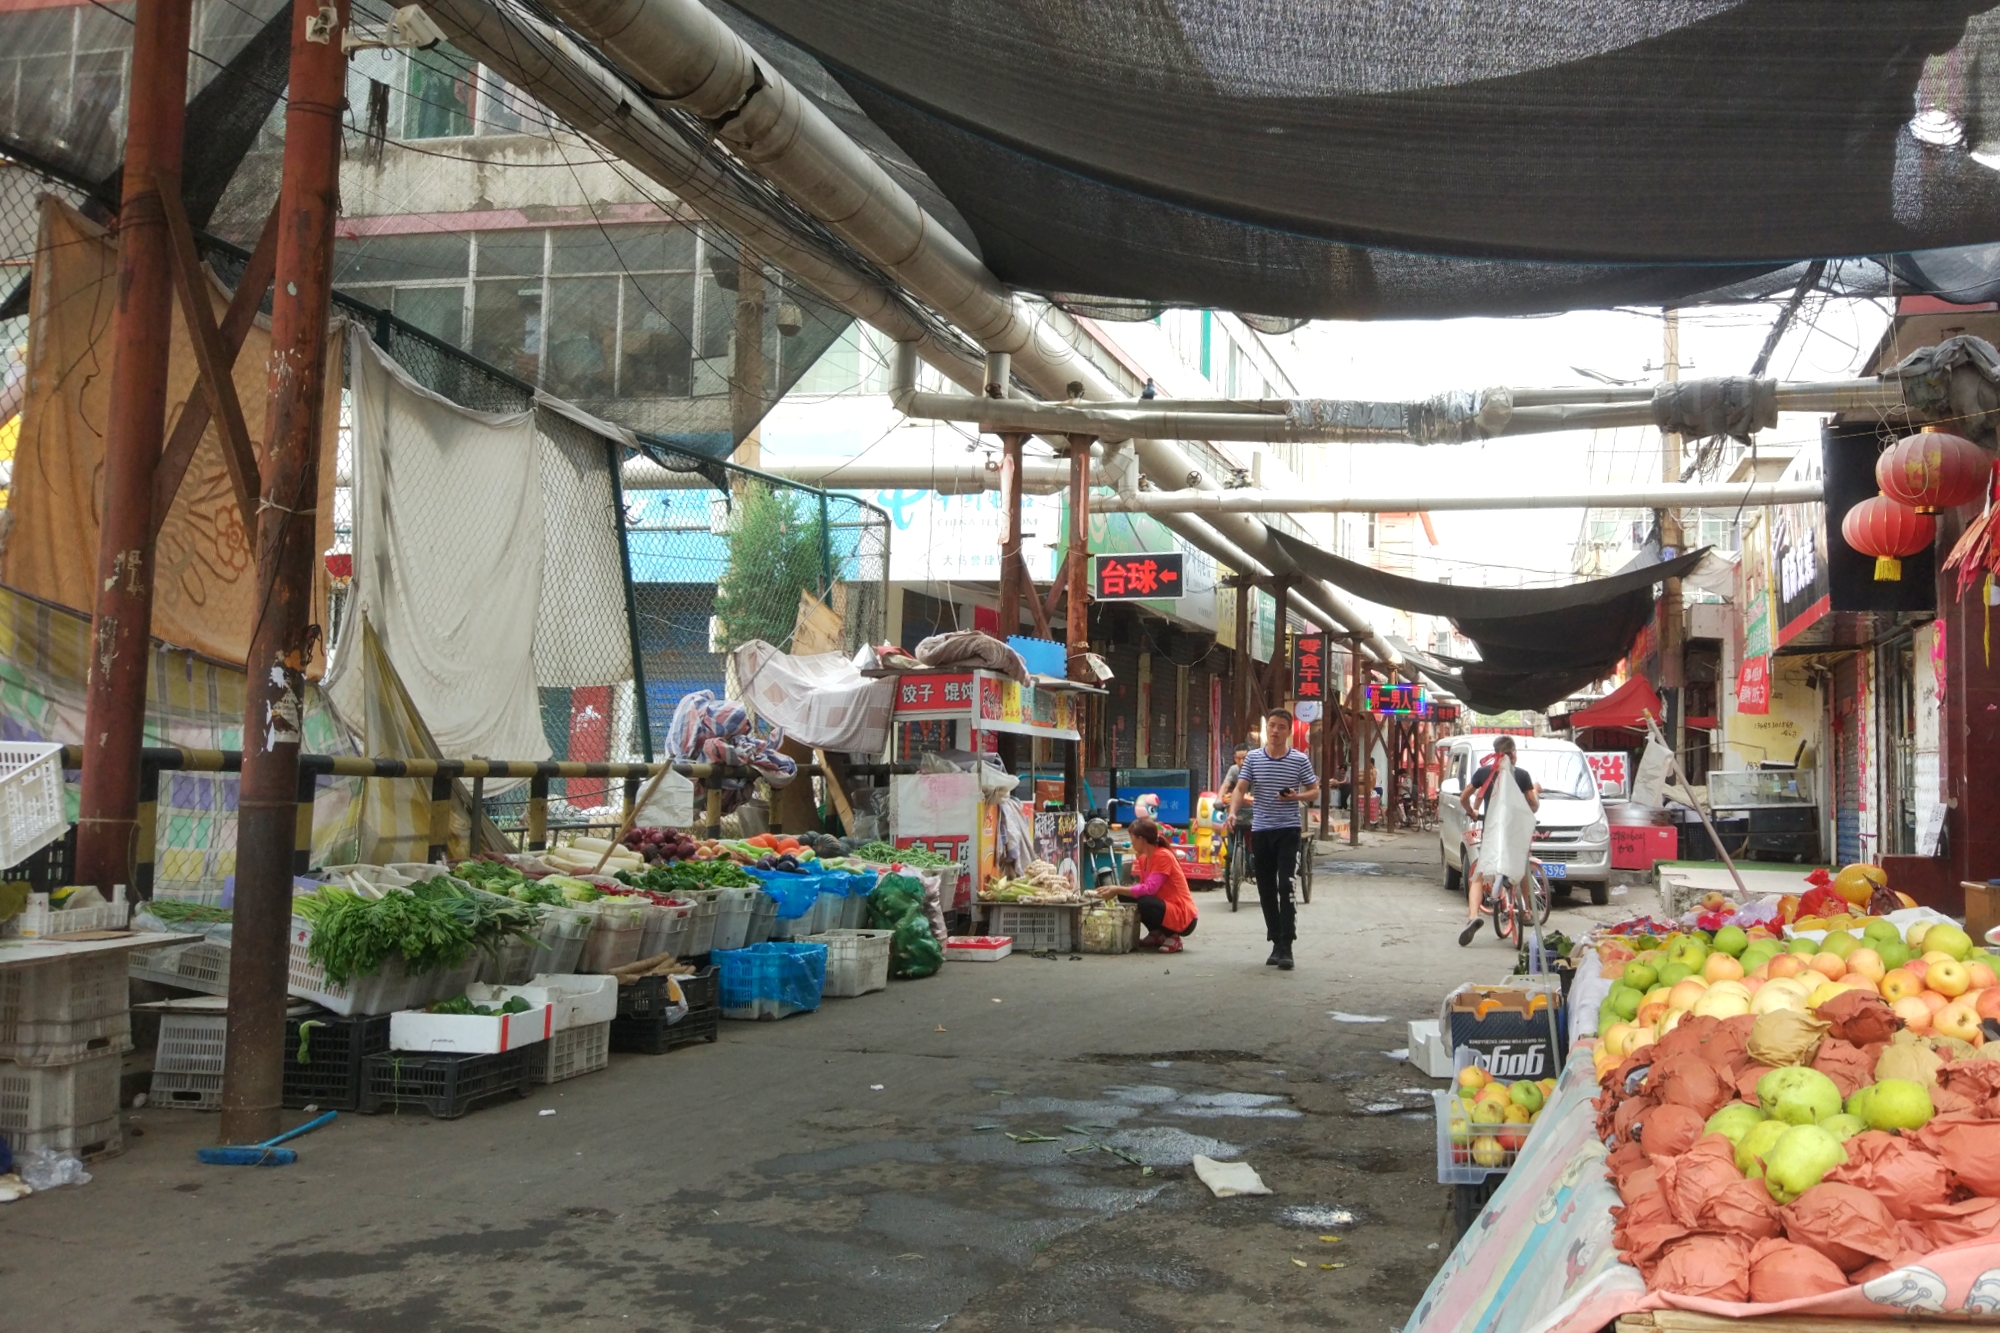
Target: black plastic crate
{"points": [[648, 995], [336, 1049], [654, 1035], [46, 870], [444, 1084]]}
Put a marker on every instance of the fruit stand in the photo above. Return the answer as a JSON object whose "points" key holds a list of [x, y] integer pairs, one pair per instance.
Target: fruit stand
{"points": [[1774, 1126]]}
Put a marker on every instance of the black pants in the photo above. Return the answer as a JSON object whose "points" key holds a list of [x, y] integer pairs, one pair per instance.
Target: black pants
{"points": [[1275, 853], [1153, 913]]}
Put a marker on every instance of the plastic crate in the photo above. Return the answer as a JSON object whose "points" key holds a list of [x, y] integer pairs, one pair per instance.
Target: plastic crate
{"points": [[442, 1084], [701, 926], [512, 963], [667, 931], [1108, 928], [47, 1107], [202, 966], [39, 919], [336, 1048], [648, 995], [191, 1043], [389, 988], [182, 1091], [1458, 1137], [771, 980], [31, 799], [1034, 927], [857, 961], [564, 930], [616, 932], [654, 1035], [64, 1010], [574, 1051], [977, 948], [740, 914]]}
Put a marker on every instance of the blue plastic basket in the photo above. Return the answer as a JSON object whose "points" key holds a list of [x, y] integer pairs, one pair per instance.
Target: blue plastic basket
{"points": [[771, 980]]}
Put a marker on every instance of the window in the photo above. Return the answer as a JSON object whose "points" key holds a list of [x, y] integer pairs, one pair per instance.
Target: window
{"points": [[439, 94]]}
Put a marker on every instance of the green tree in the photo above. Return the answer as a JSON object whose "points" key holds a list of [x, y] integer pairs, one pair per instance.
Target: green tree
{"points": [[774, 554]]}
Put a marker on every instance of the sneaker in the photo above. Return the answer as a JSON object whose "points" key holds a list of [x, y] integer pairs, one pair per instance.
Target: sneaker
{"points": [[1172, 944], [1471, 929], [1153, 940], [1276, 952]]}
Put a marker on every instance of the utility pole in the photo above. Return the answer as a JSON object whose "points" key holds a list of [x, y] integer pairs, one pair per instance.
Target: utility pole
{"points": [[1669, 521], [746, 376], [1076, 633], [282, 638], [141, 331], [1012, 446]]}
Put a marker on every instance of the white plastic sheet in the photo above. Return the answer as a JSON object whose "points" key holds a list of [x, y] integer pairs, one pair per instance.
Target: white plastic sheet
{"points": [[821, 700], [1509, 830]]}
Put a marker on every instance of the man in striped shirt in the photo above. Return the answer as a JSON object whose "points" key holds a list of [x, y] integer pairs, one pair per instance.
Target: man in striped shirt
{"points": [[1282, 781]]}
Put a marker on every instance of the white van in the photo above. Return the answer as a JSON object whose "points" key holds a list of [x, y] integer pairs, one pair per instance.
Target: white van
{"points": [[1572, 836]]}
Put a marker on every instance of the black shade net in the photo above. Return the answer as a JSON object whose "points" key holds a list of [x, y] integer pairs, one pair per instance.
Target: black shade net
{"points": [[1536, 645], [1430, 157]]}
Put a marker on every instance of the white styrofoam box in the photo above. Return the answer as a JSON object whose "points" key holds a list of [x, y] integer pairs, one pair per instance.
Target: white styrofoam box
{"points": [[470, 1034], [579, 1000], [1427, 1049], [978, 948]]}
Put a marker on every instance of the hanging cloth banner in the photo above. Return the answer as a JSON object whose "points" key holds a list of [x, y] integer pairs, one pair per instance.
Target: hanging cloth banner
{"points": [[204, 573], [448, 559]]}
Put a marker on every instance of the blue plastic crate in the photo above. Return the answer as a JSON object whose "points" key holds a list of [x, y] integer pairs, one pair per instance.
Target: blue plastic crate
{"points": [[771, 980]]}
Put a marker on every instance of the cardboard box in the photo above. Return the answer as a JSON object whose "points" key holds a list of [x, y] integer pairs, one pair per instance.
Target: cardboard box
{"points": [[1507, 1028], [1982, 909], [1638, 846]]}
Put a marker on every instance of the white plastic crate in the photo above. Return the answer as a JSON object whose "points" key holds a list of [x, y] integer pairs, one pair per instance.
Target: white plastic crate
{"points": [[564, 930], [202, 966], [512, 963], [64, 1010], [381, 992], [1034, 927], [31, 799], [574, 1051], [39, 919], [191, 1043], [1109, 928], [857, 961], [736, 914], [183, 1091], [701, 926], [39, 1106], [667, 930], [616, 933]]}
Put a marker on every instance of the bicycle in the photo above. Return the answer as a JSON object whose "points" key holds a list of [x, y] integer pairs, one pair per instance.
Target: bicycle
{"points": [[1236, 851], [1516, 907], [1302, 878]]}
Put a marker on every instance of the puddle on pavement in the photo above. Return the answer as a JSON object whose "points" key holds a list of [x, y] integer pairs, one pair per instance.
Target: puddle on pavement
{"points": [[1318, 1216], [1075, 1112], [1249, 1105], [1143, 1094], [1159, 1145], [1166, 1059], [1355, 867]]}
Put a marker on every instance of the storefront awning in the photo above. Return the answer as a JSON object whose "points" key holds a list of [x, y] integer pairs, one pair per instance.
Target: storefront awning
{"points": [[1627, 706]]}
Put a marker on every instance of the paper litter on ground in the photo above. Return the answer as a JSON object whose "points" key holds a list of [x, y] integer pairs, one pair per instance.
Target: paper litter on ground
{"points": [[1339, 1017], [1226, 1180]]}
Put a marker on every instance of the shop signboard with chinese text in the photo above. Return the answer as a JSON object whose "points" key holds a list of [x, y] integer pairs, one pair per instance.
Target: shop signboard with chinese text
{"points": [[1401, 699], [1140, 577], [989, 703], [1798, 553], [1753, 685], [1610, 766], [1309, 668]]}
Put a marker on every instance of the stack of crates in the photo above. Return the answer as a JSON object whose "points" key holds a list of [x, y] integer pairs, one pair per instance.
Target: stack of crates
{"points": [[65, 1026]]}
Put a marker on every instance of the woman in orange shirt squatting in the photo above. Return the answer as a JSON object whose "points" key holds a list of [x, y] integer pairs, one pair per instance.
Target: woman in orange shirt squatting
{"points": [[1159, 888]]}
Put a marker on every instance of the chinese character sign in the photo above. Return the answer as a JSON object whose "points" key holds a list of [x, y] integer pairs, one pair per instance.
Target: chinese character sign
{"points": [[1309, 668], [1610, 766], [1136, 578], [1753, 685]]}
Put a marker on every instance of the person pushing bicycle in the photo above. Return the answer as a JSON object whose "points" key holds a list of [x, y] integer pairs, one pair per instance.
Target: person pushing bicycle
{"points": [[1473, 801]]}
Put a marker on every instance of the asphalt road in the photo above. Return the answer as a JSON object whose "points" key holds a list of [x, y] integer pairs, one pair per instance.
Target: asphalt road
{"points": [[874, 1166]]}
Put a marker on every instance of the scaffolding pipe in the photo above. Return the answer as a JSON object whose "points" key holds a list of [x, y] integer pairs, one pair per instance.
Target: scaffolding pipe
{"points": [[1751, 495]]}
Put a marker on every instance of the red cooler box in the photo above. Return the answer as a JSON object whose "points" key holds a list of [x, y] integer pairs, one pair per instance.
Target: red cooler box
{"points": [[1638, 846]]}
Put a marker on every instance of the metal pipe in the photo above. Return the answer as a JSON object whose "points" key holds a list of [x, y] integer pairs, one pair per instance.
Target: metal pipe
{"points": [[281, 638], [1754, 495], [1076, 633], [141, 328], [1039, 476]]}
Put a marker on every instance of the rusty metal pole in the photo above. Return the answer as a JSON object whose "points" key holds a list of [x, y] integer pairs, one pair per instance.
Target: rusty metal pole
{"points": [[1076, 633], [141, 330], [281, 640]]}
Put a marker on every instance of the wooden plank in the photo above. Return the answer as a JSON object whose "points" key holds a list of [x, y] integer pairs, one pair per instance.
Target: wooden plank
{"points": [[212, 358], [1036, 608], [237, 322], [837, 793]]}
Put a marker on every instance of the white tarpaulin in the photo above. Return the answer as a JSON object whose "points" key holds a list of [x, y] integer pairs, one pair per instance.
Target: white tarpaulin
{"points": [[822, 700], [448, 560], [1509, 829], [581, 636]]}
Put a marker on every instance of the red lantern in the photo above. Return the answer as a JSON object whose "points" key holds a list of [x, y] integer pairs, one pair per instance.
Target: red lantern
{"points": [[1934, 470], [1888, 531]]}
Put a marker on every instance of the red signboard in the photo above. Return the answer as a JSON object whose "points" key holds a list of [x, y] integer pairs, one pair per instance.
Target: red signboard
{"points": [[1638, 846], [1610, 766], [1309, 668], [1753, 685], [935, 694], [1130, 578]]}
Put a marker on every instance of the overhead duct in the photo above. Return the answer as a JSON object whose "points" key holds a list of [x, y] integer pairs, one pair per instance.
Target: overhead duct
{"points": [[687, 58], [1666, 496], [970, 477]]}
